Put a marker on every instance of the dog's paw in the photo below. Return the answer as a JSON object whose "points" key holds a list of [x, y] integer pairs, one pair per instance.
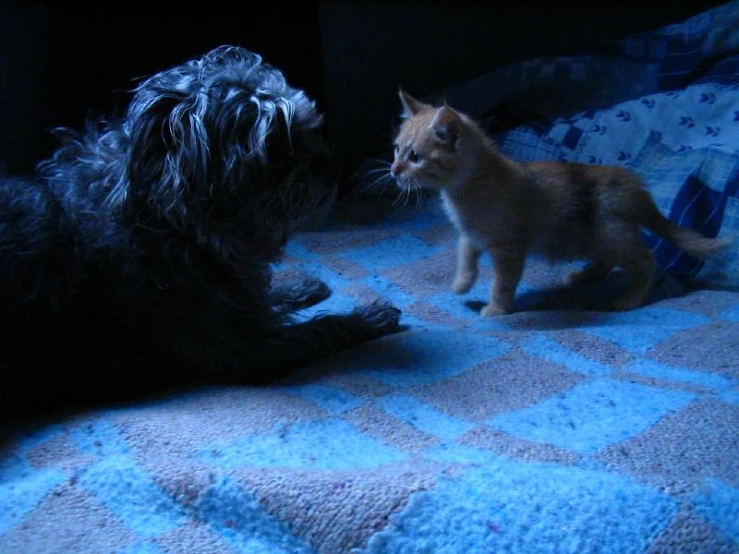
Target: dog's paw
{"points": [[312, 291], [290, 295], [381, 317]]}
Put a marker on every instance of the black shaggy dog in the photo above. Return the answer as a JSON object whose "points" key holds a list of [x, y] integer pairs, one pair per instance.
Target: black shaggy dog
{"points": [[140, 255]]}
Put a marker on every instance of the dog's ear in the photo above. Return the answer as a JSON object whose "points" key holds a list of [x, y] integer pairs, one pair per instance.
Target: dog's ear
{"points": [[169, 155]]}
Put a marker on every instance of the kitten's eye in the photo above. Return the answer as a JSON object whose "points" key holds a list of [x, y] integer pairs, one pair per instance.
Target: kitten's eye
{"points": [[414, 157], [396, 149]]}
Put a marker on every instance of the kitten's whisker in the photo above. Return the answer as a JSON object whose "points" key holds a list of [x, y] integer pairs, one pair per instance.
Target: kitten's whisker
{"points": [[419, 196], [411, 193], [379, 184], [399, 199], [384, 166], [408, 192], [373, 171]]}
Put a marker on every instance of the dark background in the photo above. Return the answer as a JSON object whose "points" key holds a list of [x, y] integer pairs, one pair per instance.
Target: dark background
{"points": [[59, 64]]}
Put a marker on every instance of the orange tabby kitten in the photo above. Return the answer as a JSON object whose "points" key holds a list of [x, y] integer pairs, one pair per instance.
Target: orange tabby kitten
{"points": [[565, 211]]}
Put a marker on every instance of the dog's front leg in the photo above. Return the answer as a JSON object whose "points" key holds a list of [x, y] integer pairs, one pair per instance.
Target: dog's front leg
{"points": [[296, 345]]}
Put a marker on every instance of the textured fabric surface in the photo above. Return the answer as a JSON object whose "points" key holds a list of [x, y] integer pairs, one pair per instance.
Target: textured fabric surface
{"points": [[554, 429]]}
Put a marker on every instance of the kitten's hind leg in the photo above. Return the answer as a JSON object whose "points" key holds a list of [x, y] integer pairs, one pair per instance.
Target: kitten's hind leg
{"points": [[623, 247], [639, 267], [589, 274], [290, 295], [467, 257]]}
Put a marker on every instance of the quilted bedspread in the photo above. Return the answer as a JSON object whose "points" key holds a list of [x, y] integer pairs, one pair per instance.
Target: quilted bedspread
{"points": [[558, 428]]}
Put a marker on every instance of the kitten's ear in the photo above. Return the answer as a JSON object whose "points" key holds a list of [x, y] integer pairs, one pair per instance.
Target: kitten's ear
{"points": [[411, 106], [446, 125]]}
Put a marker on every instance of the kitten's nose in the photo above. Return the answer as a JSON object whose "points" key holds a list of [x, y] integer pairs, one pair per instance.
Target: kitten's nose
{"points": [[393, 171]]}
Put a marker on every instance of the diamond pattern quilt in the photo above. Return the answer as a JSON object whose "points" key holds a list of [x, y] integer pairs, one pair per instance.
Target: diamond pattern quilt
{"points": [[555, 429]]}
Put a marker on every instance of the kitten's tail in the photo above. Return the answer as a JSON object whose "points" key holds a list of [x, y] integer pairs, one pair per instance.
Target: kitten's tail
{"points": [[688, 239]]}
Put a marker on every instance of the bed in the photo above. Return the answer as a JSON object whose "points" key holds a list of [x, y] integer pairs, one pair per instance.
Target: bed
{"points": [[558, 428]]}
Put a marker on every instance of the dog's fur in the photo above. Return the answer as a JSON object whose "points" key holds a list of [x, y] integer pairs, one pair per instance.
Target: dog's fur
{"points": [[140, 255]]}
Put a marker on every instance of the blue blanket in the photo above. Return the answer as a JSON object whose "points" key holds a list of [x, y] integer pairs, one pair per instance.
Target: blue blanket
{"points": [[556, 429]]}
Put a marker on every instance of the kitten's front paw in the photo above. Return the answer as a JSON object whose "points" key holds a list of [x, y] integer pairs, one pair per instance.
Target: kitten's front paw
{"points": [[463, 283], [382, 317], [491, 310]]}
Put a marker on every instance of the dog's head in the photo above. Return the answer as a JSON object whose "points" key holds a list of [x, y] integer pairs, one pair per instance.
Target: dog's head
{"points": [[225, 150]]}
